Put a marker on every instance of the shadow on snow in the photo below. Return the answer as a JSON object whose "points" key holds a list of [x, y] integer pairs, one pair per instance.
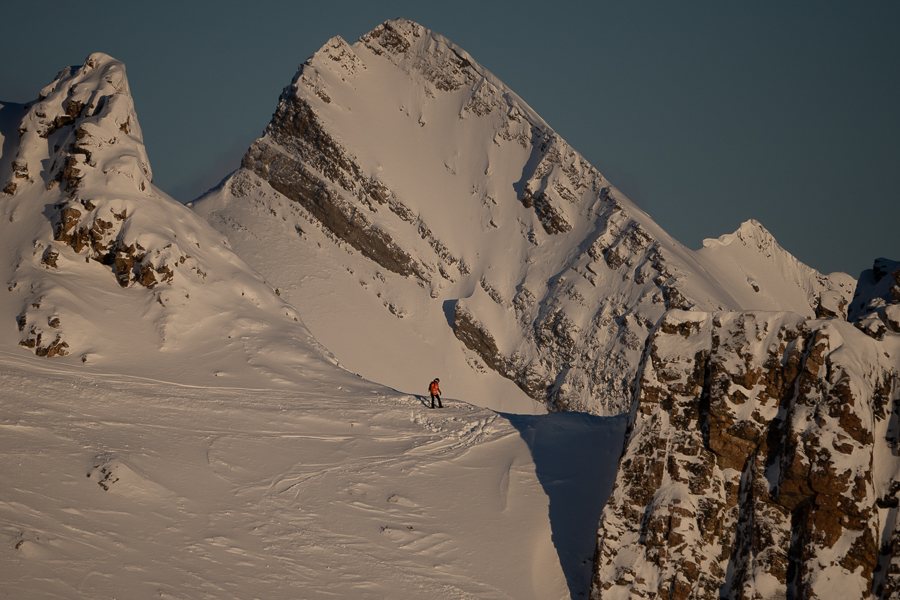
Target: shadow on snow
{"points": [[575, 456]]}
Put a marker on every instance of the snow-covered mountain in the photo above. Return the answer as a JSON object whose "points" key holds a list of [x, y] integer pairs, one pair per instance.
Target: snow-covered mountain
{"points": [[102, 268], [760, 455], [170, 429], [434, 224], [424, 221]]}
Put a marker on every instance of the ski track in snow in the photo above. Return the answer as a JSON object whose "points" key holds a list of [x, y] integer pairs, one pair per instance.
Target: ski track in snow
{"points": [[116, 487]]}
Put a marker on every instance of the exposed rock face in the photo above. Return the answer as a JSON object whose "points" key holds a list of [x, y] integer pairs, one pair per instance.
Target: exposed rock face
{"points": [[87, 118], [84, 127], [294, 128], [469, 193], [760, 462]]}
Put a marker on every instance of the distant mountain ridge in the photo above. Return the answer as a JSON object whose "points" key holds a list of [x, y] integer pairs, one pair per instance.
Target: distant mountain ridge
{"points": [[406, 152]]}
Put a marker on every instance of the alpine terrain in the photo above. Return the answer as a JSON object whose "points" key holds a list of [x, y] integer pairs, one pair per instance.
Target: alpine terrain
{"points": [[228, 400], [101, 266], [761, 458], [403, 191], [170, 429]]}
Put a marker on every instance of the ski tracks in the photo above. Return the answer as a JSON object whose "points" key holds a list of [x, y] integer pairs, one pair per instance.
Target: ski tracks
{"points": [[391, 510], [225, 493]]}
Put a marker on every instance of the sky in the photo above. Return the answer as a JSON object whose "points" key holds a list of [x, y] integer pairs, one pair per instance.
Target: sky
{"points": [[705, 114]]}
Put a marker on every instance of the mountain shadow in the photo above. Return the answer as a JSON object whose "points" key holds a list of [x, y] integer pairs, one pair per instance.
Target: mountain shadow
{"points": [[575, 457]]}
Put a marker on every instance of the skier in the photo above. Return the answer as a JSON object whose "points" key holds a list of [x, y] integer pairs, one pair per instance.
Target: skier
{"points": [[435, 390]]}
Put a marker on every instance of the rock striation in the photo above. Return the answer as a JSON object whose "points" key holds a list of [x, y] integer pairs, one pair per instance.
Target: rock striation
{"points": [[760, 461], [403, 150]]}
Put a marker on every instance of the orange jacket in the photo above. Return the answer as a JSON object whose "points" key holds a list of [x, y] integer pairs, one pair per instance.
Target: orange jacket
{"points": [[434, 388]]}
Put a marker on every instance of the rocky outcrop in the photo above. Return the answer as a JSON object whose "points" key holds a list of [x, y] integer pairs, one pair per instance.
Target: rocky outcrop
{"points": [[760, 462], [83, 126], [82, 178], [473, 334], [97, 137]]}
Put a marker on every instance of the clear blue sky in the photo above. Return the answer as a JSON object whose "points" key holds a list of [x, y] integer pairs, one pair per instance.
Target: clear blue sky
{"points": [[704, 113]]}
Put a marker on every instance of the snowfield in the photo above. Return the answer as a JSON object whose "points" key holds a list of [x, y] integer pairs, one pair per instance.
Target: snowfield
{"points": [[121, 487]]}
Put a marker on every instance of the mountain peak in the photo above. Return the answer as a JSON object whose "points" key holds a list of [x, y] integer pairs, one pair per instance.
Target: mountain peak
{"points": [[750, 232], [449, 200], [97, 68], [82, 123], [101, 264], [395, 36]]}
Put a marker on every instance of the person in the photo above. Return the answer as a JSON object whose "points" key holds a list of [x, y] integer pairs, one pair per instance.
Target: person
{"points": [[435, 390]]}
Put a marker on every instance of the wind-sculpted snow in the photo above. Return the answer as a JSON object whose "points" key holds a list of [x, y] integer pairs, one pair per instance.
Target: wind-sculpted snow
{"points": [[103, 267], [760, 462], [418, 165]]}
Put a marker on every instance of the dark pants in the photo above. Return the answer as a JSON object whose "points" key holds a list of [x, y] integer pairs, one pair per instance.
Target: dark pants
{"points": [[433, 396]]}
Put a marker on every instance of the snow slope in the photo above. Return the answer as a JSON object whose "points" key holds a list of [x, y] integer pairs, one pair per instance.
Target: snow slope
{"points": [[123, 487], [406, 192], [763, 275]]}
